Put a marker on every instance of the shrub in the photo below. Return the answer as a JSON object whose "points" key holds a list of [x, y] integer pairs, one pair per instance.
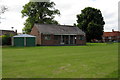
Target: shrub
{"points": [[6, 40]]}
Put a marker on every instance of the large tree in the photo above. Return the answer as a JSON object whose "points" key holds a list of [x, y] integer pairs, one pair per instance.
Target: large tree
{"points": [[39, 12], [91, 22]]}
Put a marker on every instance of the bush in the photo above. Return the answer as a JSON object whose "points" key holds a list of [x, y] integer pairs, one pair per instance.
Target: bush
{"points": [[6, 40]]}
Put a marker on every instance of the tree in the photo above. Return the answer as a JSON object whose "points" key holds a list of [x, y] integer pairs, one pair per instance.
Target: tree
{"points": [[91, 22], [39, 12], [3, 9]]}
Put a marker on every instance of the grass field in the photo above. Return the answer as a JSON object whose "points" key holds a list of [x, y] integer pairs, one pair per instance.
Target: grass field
{"points": [[98, 60]]}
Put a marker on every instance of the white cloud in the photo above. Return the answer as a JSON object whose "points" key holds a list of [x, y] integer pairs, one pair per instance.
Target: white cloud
{"points": [[69, 10], [13, 15], [109, 9]]}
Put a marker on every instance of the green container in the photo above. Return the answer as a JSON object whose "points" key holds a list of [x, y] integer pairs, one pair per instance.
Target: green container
{"points": [[23, 40], [30, 41], [18, 41]]}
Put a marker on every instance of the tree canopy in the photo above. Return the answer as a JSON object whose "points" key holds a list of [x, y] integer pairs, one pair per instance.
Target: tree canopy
{"points": [[39, 12], [91, 22]]}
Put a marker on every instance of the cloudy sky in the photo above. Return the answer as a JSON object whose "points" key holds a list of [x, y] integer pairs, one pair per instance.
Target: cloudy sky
{"points": [[68, 9]]}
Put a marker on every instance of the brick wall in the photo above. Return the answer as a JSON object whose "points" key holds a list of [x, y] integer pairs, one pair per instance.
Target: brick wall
{"points": [[81, 42], [40, 38], [36, 33], [47, 42]]}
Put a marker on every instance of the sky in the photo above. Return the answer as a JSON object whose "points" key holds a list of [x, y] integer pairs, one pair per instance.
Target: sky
{"points": [[68, 9]]}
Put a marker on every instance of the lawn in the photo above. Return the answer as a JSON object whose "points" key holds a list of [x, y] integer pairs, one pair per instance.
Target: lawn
{"points": [[95, 60]]}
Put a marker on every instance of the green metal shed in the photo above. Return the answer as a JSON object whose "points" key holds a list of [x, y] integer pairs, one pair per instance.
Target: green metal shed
{"points": [[23, 40]]}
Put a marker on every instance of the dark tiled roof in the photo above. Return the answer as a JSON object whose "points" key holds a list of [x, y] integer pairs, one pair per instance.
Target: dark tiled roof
{"points": [[59, 29], [7, 30], [109, 34], [3, 32]]}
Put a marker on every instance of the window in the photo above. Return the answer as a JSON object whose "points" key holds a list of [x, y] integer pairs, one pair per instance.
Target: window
{"points": [[47, 37], [118, 36], [81, 37], [56, 37], [109, 37], [106, 37]]}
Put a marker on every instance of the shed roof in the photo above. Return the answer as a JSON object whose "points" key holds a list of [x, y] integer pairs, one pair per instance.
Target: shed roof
{"points": [[23, 35], [59, 29]]}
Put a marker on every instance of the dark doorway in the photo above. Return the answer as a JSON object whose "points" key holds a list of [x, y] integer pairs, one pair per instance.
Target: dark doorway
{"points": [[72, 39], [69, 39], [65, 39]]}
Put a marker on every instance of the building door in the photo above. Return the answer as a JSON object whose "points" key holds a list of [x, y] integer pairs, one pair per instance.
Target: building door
{"points": [[74, 39], [30, 41], [65, 39], [18, 41], [68, 39]]}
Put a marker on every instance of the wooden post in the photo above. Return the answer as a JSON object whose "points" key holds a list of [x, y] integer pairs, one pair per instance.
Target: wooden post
{"points": [[61, 39], [73, 39], [69, 39]]}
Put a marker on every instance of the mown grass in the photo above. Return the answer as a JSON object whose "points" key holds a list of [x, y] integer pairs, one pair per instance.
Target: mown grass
{"points": [[95, 60]]}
